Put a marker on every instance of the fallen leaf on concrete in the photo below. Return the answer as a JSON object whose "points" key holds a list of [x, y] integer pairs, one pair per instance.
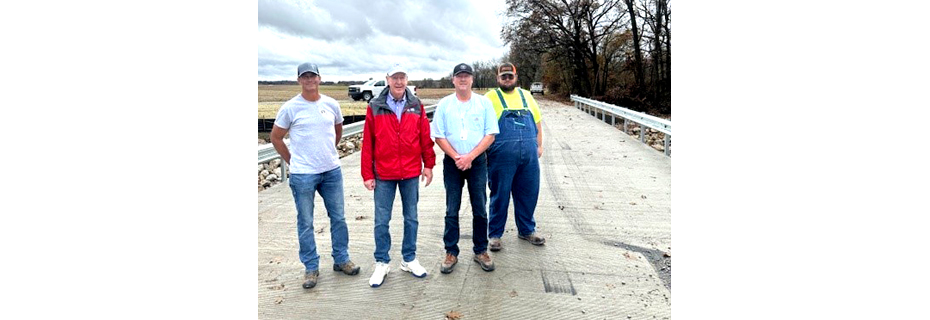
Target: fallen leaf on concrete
{"points": [[279, 286], [561, 207], [359, 217], [278, 300], [632, 203], [320, 231], [629, 256], [453, 315], [644, 196], [513, 293]]}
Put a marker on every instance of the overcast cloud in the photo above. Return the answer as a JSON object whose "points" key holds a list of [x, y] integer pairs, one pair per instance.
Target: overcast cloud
{"points": [[357, 40]]}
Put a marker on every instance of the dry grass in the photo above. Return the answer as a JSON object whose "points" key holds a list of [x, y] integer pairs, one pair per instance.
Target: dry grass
{"points": [[271, 97], [434, 93], [282, 93], [269, 110]]}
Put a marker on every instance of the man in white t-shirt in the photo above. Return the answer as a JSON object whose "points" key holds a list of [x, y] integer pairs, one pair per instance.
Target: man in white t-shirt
{"points": [[314, 121]]}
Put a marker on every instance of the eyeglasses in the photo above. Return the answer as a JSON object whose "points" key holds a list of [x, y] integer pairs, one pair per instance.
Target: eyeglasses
{"points": [[506, 76]]}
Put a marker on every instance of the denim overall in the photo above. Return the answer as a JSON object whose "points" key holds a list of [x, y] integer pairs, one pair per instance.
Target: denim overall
{"points": [[513, 167]]}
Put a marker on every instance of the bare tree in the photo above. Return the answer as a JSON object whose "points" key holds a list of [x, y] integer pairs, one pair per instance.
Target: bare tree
{"points": [[591, 45], [638, 54]]}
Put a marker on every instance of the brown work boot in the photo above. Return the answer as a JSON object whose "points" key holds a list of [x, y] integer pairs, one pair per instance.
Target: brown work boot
{"points": [[484, 260], [495, 244], [310, 277], [448, 264], [534, 238], [348, 268]]}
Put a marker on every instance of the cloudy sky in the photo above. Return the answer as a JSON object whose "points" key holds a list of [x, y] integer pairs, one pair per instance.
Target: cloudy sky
{"points": [[359, 39]]}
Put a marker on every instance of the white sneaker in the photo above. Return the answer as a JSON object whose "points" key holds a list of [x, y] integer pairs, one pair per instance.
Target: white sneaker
{"points": [[377, 277], [413, 267]]}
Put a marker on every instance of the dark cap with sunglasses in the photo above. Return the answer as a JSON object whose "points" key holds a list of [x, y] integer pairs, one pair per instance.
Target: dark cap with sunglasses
{"points": [[506, 68]]}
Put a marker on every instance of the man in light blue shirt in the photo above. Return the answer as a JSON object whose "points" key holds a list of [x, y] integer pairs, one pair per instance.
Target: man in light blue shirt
{"points": [[464, 125]]}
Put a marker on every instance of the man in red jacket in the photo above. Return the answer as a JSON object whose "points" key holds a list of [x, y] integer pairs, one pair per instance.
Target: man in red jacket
{"points": [[396, 149]]}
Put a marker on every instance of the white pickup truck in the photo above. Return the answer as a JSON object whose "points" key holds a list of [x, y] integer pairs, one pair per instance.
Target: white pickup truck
{"points": [[537, 87], [371, 89]]}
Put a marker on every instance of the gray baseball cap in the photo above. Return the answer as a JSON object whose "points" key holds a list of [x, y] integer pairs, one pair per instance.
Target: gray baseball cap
{"points": [[307, 67]]}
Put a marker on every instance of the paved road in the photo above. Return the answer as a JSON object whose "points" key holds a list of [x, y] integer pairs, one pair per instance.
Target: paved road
{"points": [[604, 205]]}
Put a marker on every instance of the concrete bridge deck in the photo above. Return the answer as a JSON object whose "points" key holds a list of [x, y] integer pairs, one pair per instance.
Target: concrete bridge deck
{"points": [[604, 207]]}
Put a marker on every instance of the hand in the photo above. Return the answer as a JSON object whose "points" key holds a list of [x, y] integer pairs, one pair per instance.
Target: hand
{"points": [[539, 151], [427, 175], [370, 184], [463, 162]]}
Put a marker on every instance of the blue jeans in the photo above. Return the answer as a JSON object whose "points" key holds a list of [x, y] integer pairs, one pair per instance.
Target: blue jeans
{"points": [[385, 191], [454, 180], [329, 186]]}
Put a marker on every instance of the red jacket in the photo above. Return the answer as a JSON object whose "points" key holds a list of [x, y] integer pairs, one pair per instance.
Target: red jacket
{"points": [[393, 150]]}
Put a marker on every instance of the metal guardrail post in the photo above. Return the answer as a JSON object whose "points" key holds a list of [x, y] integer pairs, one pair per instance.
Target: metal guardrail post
{"points": [[668, 140], [283, 172], [642, 133]]}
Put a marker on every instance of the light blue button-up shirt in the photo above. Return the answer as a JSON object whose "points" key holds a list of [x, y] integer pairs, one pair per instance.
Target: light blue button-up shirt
{"points": [[398, 106], [464, 124]]}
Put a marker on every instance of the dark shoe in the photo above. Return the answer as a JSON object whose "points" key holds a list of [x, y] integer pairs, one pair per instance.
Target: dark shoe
{"points": [[310, 277], [348, 268], [534, 238], [495, 244], [484, 260], [448, 264]]}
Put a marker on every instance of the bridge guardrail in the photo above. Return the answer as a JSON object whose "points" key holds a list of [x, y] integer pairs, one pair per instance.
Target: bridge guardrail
{"points": [[656, 123]]}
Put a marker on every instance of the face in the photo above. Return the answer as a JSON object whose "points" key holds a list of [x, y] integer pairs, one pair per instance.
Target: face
{"points": [[309, 81], [462, 81], [507, 81], [397, 83]]}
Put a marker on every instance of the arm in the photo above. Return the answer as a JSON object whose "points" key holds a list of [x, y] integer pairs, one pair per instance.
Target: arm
{"points": [[338, 128], [426, 149], [277, 140], [439, 131], [368, 150], [338, 119], [446, 147], [539, 149], [537, 115]]}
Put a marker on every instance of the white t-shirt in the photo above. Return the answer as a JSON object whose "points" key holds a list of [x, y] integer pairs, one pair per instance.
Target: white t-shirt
{"points": [[313, 133]]}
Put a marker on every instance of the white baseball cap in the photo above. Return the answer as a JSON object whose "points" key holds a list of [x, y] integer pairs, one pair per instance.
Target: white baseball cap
{"points": [[395, 68]]}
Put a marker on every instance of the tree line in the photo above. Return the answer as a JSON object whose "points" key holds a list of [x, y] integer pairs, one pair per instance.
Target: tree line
{"points": [[295, 83], [617, 51]]}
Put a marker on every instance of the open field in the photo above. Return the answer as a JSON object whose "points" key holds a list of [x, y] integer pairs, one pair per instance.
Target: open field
{"points": [[269, 110], [271, 97]]}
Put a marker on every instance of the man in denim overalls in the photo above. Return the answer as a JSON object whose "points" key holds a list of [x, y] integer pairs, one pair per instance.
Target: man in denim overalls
{"points": [[513, 159]]}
